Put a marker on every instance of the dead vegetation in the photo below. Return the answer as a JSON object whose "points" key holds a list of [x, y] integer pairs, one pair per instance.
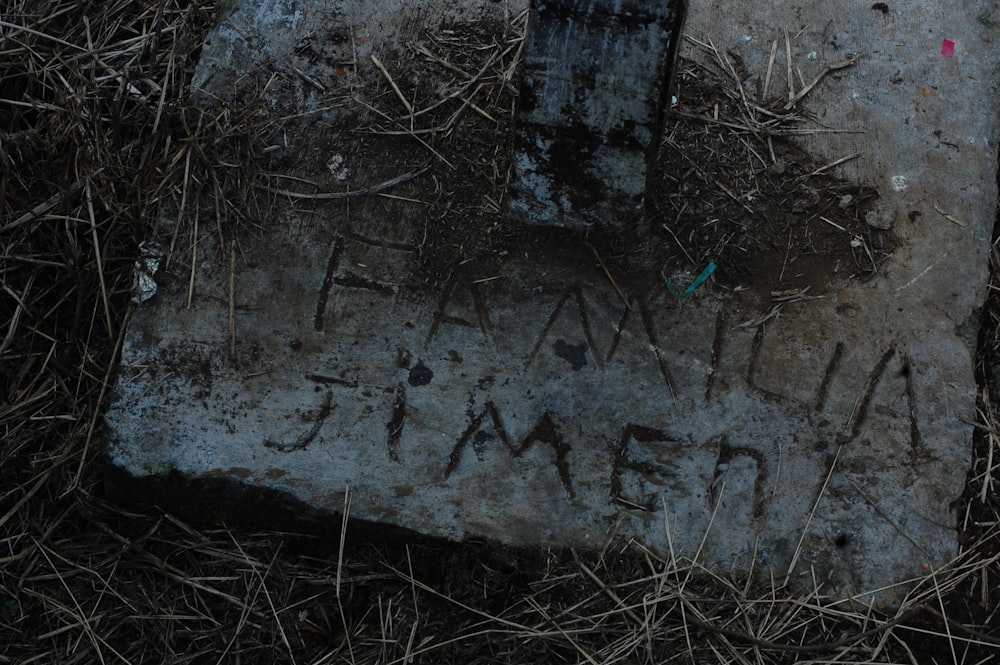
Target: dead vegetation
{"points": [[733, 187], [97, 134]]}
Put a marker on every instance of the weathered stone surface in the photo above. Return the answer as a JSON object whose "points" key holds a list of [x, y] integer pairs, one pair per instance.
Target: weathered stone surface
{"points": [[592, 102], [530, 404]]}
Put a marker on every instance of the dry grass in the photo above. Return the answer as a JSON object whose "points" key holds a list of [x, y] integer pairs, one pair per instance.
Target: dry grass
{"points": [[96, 135], [734, 186]]}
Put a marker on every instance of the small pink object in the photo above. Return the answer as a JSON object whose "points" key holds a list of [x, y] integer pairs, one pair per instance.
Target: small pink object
{"points": [[947, 48]]}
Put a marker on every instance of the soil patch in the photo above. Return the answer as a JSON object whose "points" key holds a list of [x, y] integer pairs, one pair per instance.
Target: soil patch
{"points": [[730, 184]]}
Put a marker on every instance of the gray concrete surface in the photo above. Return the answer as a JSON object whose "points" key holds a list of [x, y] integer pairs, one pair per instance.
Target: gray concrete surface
{"points": [[530, 405]]}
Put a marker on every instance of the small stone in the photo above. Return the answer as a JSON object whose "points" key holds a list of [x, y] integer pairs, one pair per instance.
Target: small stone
{"points": [[778, 168], [845, 201], [881, 216]]}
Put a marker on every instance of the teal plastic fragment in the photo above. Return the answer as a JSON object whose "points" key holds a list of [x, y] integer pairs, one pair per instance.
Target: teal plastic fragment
{"points": [[709, 269]]}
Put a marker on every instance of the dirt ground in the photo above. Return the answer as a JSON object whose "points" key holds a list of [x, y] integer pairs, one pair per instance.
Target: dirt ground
{"points": [[98, 134]]}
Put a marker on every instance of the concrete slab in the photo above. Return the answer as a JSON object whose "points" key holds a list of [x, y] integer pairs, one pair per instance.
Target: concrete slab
{"points": [[550, 388], [593, 94]]}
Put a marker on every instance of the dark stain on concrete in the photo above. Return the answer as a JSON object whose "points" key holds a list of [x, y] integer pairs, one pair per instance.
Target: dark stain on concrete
{"points": [[574, 354], [420, 375]]}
